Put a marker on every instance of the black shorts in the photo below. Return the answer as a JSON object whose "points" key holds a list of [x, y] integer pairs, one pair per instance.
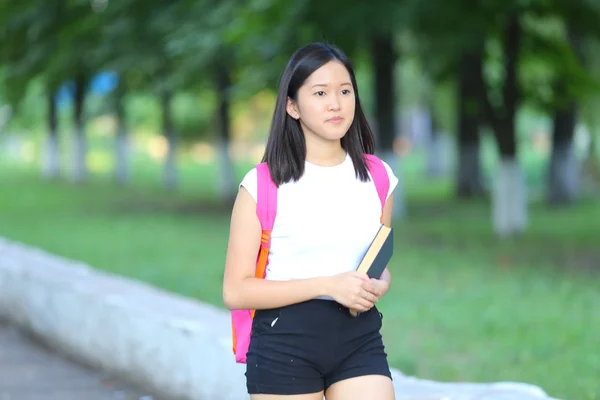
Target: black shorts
{"points": [[306, 347]]}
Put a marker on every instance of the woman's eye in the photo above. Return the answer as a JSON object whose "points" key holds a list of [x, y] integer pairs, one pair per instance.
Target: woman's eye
{"points": [[345, 91], [321, 93]]}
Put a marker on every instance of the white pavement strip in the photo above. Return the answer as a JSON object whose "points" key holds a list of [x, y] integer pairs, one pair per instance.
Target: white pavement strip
{"points": [[174, 344]]}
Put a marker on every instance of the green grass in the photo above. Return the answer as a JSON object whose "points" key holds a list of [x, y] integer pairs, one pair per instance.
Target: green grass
{"points": [[464, 306]]}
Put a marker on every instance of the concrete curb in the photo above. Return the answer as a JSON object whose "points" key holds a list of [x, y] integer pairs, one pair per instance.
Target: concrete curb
{"points": [[178, 346]]}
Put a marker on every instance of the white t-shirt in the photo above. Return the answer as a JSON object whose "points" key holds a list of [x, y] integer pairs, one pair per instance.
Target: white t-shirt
{"points": [[325, 221]]}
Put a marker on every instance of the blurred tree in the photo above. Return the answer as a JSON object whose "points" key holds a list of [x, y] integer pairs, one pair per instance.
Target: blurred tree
{"points": [[501, 99], [208, 62], [452, 49], [242, 49], [123, 51], [571, 85], [136, 45], [70, 43], [122, 144], [27, 40], [591, 117], [54, 42], [563, 171], [257, 42], [140, 46], [488, 39], [222, 72], [468, 178], [556, 80], [503, 48]]}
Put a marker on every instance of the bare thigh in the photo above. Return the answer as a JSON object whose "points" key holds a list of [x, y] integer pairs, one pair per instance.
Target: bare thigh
{"points": [[367, 387], [313, 396]]}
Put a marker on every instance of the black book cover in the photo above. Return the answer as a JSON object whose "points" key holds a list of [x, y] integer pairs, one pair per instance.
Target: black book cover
{"points": [[379, 253]]}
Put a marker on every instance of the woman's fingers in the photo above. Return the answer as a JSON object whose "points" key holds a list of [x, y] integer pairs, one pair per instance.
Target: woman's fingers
{"points": [[364, 305], [371, 288]]}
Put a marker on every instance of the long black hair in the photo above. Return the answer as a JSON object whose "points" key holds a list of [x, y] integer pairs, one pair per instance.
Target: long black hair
{"points": [[285, 152]]}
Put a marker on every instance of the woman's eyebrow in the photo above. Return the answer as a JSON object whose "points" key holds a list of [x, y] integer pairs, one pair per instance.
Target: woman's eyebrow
{"points": [[326, 85]]}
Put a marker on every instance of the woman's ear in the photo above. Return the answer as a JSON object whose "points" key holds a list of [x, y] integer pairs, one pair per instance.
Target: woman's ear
{"points": [[292, 109]]}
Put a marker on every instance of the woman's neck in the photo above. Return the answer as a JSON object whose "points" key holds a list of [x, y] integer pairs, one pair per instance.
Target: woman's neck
{"points": [[325, 153]]}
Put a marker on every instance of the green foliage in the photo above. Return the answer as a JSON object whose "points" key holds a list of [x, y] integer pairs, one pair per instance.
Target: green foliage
{"points": [[193, 114], [264, 35], [557, 74], [26, 38], [353, 27], [30, 113], [547, 55], [439, 41], [589, 107], [176, 46], [136, 45], [143, 111]]}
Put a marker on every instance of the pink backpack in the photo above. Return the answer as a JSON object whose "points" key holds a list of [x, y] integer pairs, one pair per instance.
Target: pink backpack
{"points": [[266, 209]]}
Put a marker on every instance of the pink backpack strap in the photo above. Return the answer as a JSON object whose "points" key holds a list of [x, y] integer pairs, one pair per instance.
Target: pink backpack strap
{"points": [[266, 204], [266, 209], [380, 177]]}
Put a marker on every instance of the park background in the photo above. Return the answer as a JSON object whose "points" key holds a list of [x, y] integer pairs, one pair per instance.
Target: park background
{"points": [[125, 128]]}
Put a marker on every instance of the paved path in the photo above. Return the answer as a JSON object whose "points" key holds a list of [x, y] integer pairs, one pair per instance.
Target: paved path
{"points": [[29, 371]]}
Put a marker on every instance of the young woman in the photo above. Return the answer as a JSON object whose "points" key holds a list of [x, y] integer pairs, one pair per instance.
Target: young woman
{"points": [[305, 343]]}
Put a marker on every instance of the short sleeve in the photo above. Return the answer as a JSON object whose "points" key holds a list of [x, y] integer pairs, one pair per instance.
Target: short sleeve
{"points": [[392, 177], [250, 183]]}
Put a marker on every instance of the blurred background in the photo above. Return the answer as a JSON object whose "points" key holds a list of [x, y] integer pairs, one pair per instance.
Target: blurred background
{"points": [[126, 127]]}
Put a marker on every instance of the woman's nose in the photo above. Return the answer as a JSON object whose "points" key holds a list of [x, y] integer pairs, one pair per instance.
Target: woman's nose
{"points": [[334, 104]]}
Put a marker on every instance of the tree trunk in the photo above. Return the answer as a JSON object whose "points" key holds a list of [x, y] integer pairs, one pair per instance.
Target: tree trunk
{"points": [[228, 187], [435, 147], [563, 173], [122, 175], [5, 115], [509, 200], [50, 159], [509, 196], [468, 176], [563, 170], [384, 62], [591, 166], [170, 172], [505, 121], [79, 142]]}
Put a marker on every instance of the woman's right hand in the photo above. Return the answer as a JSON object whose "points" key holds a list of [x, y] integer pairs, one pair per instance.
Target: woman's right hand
{"points": [[353, 290]]}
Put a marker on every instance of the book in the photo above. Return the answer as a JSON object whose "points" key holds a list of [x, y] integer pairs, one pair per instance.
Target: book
{"points": [[377, 256], [379, 253]]}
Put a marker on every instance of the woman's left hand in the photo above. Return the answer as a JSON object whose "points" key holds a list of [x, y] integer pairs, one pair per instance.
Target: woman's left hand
{"points": [[381, 286]]}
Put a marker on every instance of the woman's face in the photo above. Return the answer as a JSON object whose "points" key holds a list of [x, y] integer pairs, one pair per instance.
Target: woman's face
{"points": [[325, 102]]}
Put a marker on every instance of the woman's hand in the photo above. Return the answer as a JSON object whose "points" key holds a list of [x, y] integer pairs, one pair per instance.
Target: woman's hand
{"points": [[354, 290], [381, 287]]}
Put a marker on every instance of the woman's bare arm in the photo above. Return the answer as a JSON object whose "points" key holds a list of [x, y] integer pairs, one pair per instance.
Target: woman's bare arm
{"points": [[241, 290]]}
